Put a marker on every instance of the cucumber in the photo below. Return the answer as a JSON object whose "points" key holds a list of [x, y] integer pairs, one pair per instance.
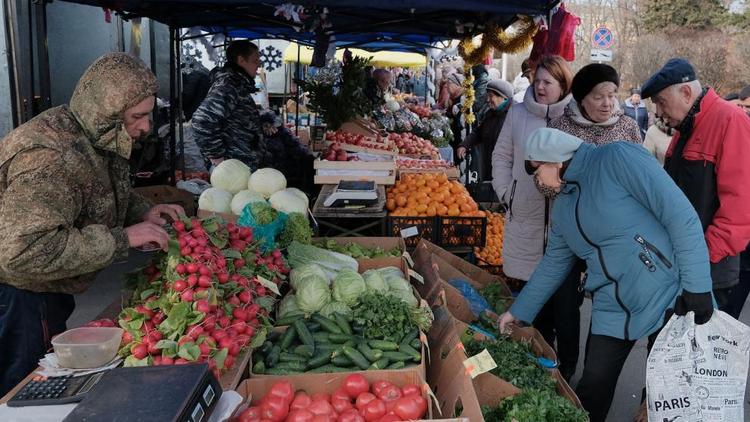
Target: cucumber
{"points": [[282, 371], [265, 348], [339, 338], [259, 367], [320, 359], [291, 357], [288, 319], [273, 357], [341, 360], [381, 363], [342, 323], [304, 350], [326, 347], [304, 334], [411, 335], [396, 365], [294, 366], [383, 345], [312, 326], [321, 337], [356, 357], [416, 344], [327, 324], [415, 356], [329, 368], [288, 338], [371, 354], [396, 356]]}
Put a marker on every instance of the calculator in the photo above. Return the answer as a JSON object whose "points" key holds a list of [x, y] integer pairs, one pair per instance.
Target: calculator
{"points": [[55, 390]]}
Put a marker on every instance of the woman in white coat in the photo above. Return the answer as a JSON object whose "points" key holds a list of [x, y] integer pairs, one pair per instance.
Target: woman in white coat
{"points": [[527, 215]]}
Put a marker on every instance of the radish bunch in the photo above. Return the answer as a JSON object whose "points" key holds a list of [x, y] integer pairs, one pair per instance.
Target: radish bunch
{"points": [[203, 301]]}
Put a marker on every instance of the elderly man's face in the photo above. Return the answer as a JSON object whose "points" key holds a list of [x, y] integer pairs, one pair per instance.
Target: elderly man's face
{"points": [[673, 104], [137, 119]]}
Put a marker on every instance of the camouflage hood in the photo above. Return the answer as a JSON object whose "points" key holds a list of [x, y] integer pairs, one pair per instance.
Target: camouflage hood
{"points": [[111, 85]]}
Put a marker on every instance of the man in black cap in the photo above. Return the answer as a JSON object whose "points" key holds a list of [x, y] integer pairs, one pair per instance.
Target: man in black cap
{"points": [[709, 159]]}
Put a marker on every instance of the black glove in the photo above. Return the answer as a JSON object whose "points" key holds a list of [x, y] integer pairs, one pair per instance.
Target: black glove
{"points": [[700, 303]]}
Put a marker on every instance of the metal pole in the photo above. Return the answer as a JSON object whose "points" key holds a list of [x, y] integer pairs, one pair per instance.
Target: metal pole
{"points": [[179, 103], [45, 91], [299, 77], [173, 103]]}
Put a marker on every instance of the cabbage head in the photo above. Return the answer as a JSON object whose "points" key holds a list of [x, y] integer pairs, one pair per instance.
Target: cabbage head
{"points": [[215, 200], [313, 294], [398, 283], [288, 306], [375, 281], [405, 296], [303, 271], [231, 175], [388, 272], [348, 286], [336, 307]]}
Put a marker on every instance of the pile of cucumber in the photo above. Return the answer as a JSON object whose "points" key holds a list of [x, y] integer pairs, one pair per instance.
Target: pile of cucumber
{"points": [[319, 345]]}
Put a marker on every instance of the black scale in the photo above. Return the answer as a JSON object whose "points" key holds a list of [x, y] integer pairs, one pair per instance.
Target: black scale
{"points": [[178, 393]]}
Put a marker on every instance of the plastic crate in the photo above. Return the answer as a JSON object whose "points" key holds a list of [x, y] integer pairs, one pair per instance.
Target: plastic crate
{"points": [[415, 228], [460, 232]]}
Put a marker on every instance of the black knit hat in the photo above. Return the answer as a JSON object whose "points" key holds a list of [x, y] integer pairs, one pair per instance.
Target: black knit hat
{"points": [[591, 75]]}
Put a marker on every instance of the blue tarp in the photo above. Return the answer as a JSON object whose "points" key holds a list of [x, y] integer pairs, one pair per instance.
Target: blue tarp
{"points": [[381, 24]]}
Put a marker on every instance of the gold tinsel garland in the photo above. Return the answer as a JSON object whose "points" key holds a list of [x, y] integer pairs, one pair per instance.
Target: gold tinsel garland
{"points": [[496, 38]]}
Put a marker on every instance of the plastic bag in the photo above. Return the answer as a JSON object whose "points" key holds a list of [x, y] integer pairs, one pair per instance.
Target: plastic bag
{"points": [[265, 234], [476, 302], [698, 372]]}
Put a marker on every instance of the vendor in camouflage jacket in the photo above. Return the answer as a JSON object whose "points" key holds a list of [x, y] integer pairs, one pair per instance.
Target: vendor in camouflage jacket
{"points": [[67, 210], [228, 123]]}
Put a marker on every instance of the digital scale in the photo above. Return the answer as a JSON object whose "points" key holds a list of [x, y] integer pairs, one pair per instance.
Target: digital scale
{"points": [[176, 393], [353, 194]]}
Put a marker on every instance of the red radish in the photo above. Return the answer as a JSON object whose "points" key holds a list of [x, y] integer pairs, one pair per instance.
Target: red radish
{"points": [[166, 360], [224, 321], [234, 301], [202, 306], [240, 313], [205, 349], [204, 281], [203, 270], [192, 280], [187, 296], [184, 340], [194, 331], [239, 263], [229, 361], [139, 351], [127, 338], [180, 269], [245, 296], [219, 334], [145, 311], [179, 285], [192, 267], [181, 361], [222, 277]]}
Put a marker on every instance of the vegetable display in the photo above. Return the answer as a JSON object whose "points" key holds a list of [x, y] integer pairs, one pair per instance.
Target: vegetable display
{"points": [[492, 252], [495, 296], [330, 262], [411, 163], [357, 251], [408, 143], [354, 401], [204, 300], [347, 138], [266, 181], [429, 195], [534, 405]]}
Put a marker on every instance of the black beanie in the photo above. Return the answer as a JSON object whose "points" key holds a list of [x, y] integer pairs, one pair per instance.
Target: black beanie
{"points": [[591, 75]]}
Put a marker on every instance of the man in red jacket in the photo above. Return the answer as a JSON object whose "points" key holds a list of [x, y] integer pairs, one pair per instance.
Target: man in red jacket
{"points": [[709, 159]]}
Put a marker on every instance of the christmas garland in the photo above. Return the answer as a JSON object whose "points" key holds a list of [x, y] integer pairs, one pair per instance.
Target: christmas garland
{"points": [[495, 37]]}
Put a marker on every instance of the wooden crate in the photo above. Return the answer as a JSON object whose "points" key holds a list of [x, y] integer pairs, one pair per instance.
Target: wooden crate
{"points": [[354, 167], [357, 148]]}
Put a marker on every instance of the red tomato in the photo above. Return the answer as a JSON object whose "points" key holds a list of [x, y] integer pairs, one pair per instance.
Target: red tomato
{"points": [[374, 410], [282, 389], [412, 407], [321, 407], [378, 386], [354, 385], [390, 417], [274, 408], [300, 415], [324, 418], [411, 390], [351, 415], [251, 414], [321, 396], [340, 401], [301, 401], [389, 393], [363, 399]]}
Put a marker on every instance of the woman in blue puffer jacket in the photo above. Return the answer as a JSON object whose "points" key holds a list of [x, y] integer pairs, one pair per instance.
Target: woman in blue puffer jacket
{"points": [[642, 241]]}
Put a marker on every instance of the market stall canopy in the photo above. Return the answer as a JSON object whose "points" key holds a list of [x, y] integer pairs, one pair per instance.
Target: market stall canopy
{"points": [[379, 58], [408, 24]]}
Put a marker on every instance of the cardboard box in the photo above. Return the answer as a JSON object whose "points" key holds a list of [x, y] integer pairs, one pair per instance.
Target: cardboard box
{"points": [[165, 194], [385, 243]]}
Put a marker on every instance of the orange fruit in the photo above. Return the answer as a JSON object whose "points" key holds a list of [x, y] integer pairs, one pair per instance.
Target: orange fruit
{"points": [[421, 208], [442, 210], [431, 211], [400, 200], [453, 210], [390, 204]]}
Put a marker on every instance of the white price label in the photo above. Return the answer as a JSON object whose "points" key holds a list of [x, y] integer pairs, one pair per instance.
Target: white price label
{"points": [[270, 285], [479, 364], [417, 276], [409, 259], [409, 232]]}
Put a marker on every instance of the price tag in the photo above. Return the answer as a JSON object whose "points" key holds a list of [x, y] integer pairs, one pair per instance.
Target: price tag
{"points": [[270, 285], [479, 364], [409, 260], [417, 276], [409, 232]]}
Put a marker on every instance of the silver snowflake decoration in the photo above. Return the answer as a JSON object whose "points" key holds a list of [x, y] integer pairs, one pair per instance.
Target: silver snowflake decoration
{"points": [[271, 58]]}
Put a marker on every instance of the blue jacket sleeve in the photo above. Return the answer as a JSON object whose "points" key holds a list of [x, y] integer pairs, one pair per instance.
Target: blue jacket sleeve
{"points": [[552, 270], [643, 178]]}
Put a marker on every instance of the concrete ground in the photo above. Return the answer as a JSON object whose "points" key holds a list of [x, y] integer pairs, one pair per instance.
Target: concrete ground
{"points": [[110, 282]]}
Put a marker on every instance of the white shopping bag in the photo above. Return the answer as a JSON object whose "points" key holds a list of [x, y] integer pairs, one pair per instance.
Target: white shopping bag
{"points": [[697, 373]]}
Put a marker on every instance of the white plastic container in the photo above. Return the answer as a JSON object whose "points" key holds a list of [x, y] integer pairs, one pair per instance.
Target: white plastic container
{"points": [[87, 347]]}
